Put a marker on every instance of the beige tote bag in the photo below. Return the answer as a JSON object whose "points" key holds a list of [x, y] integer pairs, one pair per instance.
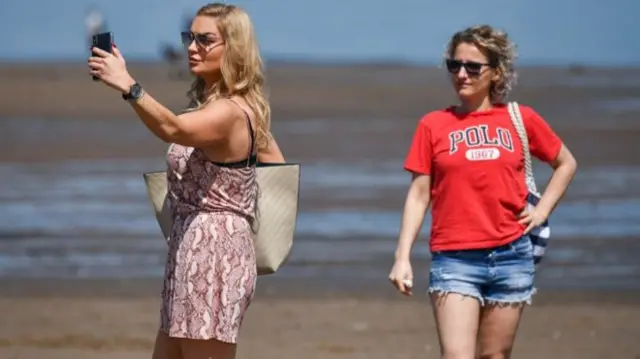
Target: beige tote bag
{"points": [[277, 211]]}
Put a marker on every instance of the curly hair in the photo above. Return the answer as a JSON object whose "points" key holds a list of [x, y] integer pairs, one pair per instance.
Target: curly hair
{"points": [[501, 53], [242, 68]]}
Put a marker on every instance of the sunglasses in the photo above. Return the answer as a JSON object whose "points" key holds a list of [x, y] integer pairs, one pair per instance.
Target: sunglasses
{"points": [[202, 39], [472, 68]]}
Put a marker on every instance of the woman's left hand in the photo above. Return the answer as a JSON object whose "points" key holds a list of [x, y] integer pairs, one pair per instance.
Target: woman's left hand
{"points": [[532, 218], [111, 69]]}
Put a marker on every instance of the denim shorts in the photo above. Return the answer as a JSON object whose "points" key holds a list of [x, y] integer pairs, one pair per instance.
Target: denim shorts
{"points": [[499, 275]]}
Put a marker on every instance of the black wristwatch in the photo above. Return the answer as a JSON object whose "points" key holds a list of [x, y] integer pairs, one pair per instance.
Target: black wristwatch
{"points": [[135, 93]]}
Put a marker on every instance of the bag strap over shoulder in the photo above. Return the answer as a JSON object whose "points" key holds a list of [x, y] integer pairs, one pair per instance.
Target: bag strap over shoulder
{"points": [[516, 118]]}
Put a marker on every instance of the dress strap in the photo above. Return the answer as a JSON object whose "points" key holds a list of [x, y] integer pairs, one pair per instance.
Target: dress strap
{"points": [[252, 136]]}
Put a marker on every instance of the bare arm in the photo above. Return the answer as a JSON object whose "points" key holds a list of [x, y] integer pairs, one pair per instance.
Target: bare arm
{"points": [[272, 153], [200, 128], [415, 209], [564, 167]]}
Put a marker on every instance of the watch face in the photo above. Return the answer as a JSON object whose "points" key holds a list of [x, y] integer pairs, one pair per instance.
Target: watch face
{"points": [[136, 91]]}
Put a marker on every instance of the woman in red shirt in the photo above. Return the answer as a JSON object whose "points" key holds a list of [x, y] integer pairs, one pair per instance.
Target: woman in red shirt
{"points": [[467, 164]]}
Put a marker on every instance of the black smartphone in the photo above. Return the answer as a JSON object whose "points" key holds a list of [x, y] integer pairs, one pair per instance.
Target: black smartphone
{"points": [[103, 41]]}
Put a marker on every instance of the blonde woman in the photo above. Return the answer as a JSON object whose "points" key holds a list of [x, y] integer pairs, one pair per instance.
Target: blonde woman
{"points": [[210, 274], [467, 165]]}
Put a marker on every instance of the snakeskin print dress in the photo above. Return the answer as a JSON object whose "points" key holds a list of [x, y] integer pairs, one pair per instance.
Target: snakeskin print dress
{"points": [[210, 273]]}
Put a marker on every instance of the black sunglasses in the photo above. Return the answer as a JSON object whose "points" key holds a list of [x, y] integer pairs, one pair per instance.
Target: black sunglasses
{"points": [[471, 67], [201, 39]]}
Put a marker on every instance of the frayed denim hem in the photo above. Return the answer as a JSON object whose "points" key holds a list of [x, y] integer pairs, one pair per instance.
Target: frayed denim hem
{"points": [[524, 299], [442, 293]]}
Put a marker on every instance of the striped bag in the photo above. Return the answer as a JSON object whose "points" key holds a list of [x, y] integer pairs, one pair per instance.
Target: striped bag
{"points": [[539, 235]]}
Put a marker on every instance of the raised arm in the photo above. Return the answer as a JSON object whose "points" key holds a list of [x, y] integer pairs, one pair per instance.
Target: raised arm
{"points": [[200, 128]]}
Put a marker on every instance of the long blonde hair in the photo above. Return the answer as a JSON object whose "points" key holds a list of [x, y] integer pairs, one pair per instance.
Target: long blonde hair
{"points": [[242, 68], [501, 53]]}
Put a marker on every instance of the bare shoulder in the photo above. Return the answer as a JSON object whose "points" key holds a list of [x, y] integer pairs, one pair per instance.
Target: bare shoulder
{"points": [[241, 104], [217, 115], [222, 110]]}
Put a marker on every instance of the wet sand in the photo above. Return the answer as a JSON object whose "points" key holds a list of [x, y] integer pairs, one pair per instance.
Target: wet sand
{"points": [[286, 321], [297, 91], [595, 113], [54, 112]]}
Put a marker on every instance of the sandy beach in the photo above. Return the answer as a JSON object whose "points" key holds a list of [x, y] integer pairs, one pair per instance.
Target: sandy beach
{"points": [[583, 109], [287, 323], [323, 115]]}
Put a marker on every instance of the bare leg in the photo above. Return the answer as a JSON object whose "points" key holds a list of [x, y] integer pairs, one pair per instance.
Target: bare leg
{"points": [[457, 319], [498, 326], [207, 349], [166, 347]]}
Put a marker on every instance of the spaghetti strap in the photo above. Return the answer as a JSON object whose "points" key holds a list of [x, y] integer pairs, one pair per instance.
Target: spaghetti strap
{"points": [[251, 133]]}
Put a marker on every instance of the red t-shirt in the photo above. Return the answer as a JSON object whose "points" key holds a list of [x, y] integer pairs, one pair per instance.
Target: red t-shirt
{"points": [[477, 173]]}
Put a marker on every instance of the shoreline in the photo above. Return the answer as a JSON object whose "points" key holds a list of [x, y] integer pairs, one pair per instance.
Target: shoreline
{"points": [[42, 105], [274, 288], [57, 139], [296, 90], [270, 63], [603, 267], [328, 301]]}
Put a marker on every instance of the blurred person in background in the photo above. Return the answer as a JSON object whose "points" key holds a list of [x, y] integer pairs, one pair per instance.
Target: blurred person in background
{"points": [[482, 270], [210, 272], [94, 23]]}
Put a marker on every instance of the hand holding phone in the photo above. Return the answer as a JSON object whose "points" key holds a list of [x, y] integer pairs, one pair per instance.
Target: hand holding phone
{"points": [[108, 65], [103, 41]]}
